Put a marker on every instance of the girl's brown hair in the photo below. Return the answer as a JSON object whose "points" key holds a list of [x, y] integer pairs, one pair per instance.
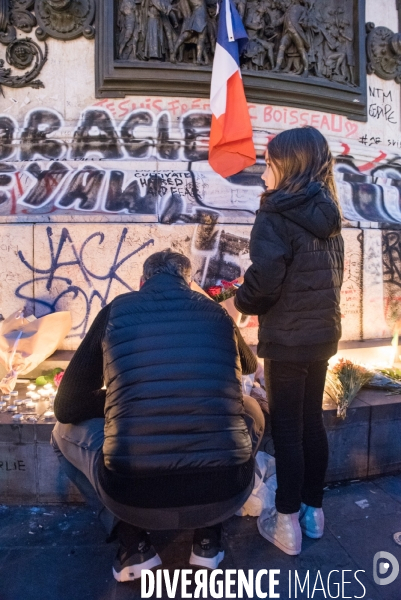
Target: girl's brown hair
{"points": [[300, 156]]}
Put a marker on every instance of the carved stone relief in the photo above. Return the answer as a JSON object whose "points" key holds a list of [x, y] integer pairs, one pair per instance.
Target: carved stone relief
{"points": [[384, 52], [61, 19], [295, 37], [21, 53], [64, 19]]}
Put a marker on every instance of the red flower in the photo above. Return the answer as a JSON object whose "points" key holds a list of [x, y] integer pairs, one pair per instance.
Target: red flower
{"points": [[215, 290], [58, 378], [228, 284]]}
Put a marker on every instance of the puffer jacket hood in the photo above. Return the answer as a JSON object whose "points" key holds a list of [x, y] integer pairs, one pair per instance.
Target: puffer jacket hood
{"points": [[311, 208]]}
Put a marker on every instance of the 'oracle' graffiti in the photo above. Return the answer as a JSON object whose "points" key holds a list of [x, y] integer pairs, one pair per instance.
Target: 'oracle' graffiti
{"points": [[141, 135]]}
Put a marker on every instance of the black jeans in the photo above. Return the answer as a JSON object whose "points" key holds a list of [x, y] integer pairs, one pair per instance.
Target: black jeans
{"points": [[295, 396]]}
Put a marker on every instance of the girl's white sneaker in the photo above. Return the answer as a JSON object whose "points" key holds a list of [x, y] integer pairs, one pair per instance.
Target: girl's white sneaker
{"points": [[281, 530], [312, 521]]}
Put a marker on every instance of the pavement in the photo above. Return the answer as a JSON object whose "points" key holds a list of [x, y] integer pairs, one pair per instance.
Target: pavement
{"points": [[58, 552]]}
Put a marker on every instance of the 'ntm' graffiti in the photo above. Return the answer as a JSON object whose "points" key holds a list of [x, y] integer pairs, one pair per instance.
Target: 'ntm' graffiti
{"points": [[58, 286]]}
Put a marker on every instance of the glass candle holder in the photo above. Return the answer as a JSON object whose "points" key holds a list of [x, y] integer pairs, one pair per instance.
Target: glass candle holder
{"points": [[12, 408], [18, 417], [31, 387], [14, 394]]}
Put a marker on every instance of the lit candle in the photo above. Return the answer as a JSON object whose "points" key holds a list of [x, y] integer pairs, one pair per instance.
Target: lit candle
{"points": [[3, 404], [49, 414], [43, 393], [19, 402], [14, 394], [30, 404], [12, 408], [6, 398], [47, 386], [31, 387], [18, 417], [35, 397]]}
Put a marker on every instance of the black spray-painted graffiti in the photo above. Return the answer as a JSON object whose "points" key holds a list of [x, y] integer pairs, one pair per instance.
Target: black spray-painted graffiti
{"points": [[392, 274], [374, 195], [170, 196], [215, 254], [382, 106], [98, 136], [53, 282], [13, 465], [54, 181]]}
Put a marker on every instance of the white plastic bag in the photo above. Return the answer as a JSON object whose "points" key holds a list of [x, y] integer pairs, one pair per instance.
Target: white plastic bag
{"points": [[264, 491], [247, 384]]}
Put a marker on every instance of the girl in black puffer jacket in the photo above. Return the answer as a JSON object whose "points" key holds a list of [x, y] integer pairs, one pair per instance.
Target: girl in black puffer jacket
{"points": [[294, 284]]}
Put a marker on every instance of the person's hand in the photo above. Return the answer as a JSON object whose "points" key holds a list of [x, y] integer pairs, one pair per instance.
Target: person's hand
{"points": [[232, 311], [240, 280]]}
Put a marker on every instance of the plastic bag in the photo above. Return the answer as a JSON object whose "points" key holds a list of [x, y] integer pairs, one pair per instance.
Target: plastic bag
{"points": [[264, 491], [26, 342], [247, 384]]}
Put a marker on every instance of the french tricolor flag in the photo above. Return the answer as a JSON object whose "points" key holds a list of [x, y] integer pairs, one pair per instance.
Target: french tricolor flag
{"points": [[231, 147]]}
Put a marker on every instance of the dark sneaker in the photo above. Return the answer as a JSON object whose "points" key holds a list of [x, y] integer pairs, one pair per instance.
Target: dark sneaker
{"points": [[129, 563], [207, 550]]}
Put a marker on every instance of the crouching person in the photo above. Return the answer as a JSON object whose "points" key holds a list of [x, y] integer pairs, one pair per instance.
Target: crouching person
{"points": [[170, 443]]}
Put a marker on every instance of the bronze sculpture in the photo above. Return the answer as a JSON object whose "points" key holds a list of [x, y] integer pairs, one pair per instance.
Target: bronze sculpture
{"points": [[300, 37]]}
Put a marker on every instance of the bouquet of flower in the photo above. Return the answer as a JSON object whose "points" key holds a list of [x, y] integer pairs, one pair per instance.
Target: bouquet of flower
{"points": [[227, 289], [343, 382], [54, 377]]}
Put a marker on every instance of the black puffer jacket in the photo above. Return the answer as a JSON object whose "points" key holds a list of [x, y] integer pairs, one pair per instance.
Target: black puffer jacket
{"points": [[294, 282], [174, 395]]}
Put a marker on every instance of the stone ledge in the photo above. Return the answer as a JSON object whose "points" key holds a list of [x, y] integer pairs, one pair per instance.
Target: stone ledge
{"points": [[366, 444]]}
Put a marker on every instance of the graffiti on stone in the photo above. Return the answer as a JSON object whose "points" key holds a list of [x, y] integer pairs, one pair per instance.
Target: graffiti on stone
{"points": [[13, 465], [392, 274], [351, 291], [66, 254], [53, 177], [382, 106], [81, 269]]}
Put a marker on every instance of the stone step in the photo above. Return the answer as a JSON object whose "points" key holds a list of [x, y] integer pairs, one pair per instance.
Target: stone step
{"points": [[365, 444]]}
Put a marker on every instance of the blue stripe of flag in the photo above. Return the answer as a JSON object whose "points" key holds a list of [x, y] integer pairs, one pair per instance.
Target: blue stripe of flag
{"points": [[240, 35]]}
